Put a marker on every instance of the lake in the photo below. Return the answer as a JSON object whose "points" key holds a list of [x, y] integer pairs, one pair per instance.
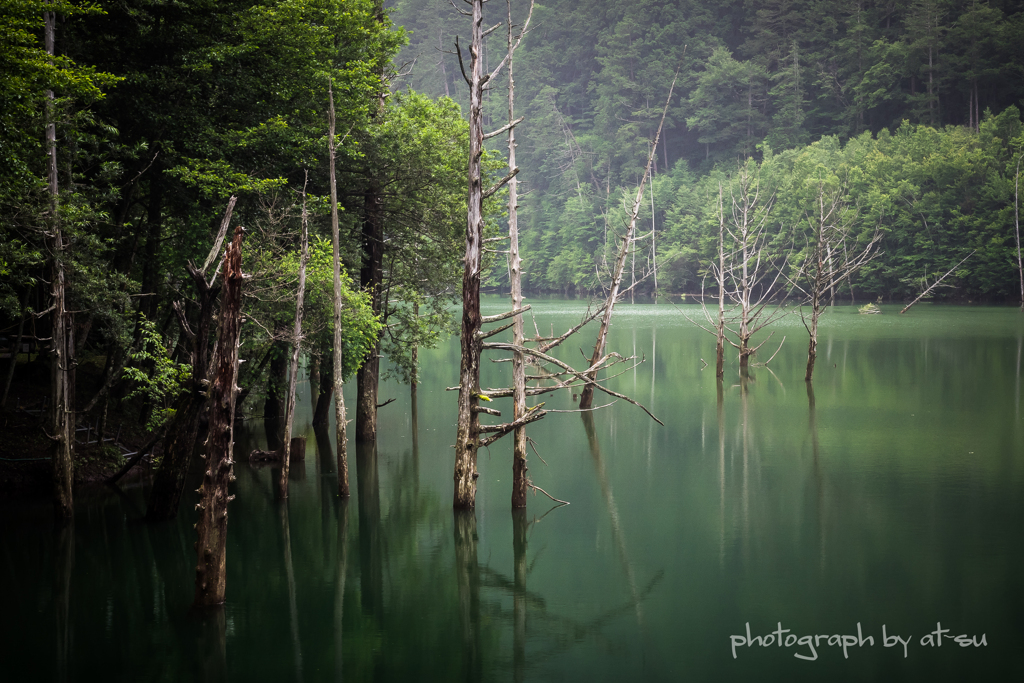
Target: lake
{"points": [[887, 498]]}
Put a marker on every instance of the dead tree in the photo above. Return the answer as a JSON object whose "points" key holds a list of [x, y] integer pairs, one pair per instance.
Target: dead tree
{"points": [[468, 436], [293, 369], [183, 432], [62, 421], [519, 467], [1016, 228], [937, 282], [747, 268], [212, 526], [830, 229], [339, 382], [468, 433], [587, 395]]}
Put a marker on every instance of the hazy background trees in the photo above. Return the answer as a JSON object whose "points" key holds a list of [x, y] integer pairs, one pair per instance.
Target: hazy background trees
{"points": [[922, 99]]}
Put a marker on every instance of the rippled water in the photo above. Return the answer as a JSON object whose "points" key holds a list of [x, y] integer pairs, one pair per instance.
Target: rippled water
{"points": [[890, 496]]}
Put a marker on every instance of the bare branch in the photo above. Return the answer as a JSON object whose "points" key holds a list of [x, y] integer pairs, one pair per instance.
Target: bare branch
{"points": [[506, 127], [501, 183]]}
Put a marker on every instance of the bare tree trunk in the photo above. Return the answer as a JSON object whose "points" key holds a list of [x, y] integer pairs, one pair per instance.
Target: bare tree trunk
{"points": [[212, 526], [467, 439], [339, 382], [587, 394], [519, 466], [1017, 227], [720, 328], [812, 344], [183, 433], [62, 427], [371, 278], [293, 370]]}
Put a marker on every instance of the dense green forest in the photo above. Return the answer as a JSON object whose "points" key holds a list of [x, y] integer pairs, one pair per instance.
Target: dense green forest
{"points": [[126, 127], [164, 110], [912, 108]]}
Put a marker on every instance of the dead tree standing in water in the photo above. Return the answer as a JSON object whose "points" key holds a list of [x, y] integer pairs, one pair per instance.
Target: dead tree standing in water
{"points": [[183, 432], [212, 526], [830, 226], [587, 395], [467, 439], [293, 368], [750, 263], [62, 406], [339, 382], [519, 468]]}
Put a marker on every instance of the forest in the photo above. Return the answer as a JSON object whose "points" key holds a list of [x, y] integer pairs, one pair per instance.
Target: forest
{"points": [[129, 128], [911, 108], [220, 218]]}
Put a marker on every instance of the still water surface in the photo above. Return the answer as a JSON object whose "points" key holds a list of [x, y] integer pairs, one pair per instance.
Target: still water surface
{"points": [[891, 495]]}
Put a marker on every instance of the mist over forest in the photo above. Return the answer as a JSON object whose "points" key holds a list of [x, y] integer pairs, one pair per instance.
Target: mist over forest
{"points": [[911, 108]]}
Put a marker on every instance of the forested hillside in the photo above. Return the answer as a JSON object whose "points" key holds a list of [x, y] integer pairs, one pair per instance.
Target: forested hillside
{"points": [[132, 132], [912, 107]]}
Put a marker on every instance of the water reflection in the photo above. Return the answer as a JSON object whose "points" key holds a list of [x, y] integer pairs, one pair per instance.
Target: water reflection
{"points": [[64, 562], [289, 571], [467, 574], [883, 493], [613, 510], [211, 644], [519, 539]]}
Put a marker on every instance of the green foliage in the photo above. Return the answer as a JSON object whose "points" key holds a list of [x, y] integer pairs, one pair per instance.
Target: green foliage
{"points": [[156, 377], [753, 77]]}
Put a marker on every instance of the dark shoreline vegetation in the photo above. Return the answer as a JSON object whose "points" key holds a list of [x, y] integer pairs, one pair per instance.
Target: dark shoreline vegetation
{"points": [[205, 204]]}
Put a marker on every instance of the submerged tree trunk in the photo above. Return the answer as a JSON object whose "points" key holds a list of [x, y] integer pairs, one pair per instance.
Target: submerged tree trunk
{"points": [[587, 394], [467, 439], [293, 369], [62, 421], [720, 327], [183, 432], [212, 526], [339, 382], [812, 344], [519, 466], [371, 278], [1016, 227]]}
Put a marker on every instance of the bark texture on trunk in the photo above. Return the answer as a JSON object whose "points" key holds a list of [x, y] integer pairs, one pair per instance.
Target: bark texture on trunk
{"points": [[519, 466], [293, 368], [339, 382], [62, 421], [467, 439], [371, 277], [212, 526]]}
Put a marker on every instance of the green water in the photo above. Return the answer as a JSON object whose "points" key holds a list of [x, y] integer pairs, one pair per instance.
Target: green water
{"points": [[894, 501]]}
